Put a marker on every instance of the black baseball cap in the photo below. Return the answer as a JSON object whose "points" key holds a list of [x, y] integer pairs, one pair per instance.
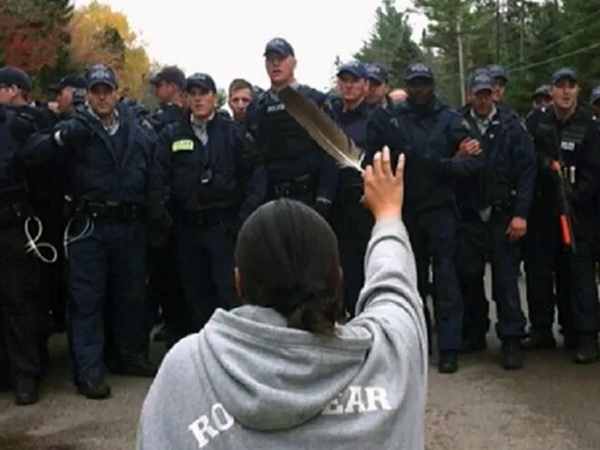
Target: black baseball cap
{"points": [[543, 90], [74, 81], [377, 73], [101, 74], [595, 95], [169, 74], [202, 81], [418, 70], [481, 81], [564, 73], [497, 71], [11, 76], [353, 68], [279, 45]]}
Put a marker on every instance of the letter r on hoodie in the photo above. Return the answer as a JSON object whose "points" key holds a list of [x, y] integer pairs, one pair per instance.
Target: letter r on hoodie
{"points": [[377, 395], [200, 428]]}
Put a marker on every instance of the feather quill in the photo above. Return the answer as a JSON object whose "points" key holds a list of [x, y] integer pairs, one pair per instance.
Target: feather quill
{"points": [[328, 134]]}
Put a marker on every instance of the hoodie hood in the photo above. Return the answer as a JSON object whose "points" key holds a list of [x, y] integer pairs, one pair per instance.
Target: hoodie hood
{"points": [[291, 376]]}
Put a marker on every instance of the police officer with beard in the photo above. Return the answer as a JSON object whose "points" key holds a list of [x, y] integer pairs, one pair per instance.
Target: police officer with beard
{"points": [[350, 220], [296, 167], [567, 144], [207, 179], [494, 206], [438, 148], [107, 156]]}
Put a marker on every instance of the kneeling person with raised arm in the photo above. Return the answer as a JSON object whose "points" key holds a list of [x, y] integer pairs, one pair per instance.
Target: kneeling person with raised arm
{"points": [[280, 372]]}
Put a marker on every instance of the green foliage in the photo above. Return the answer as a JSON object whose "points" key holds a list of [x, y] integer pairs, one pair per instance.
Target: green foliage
{"points": [[531, 38], [390, 43], [221, 97]]}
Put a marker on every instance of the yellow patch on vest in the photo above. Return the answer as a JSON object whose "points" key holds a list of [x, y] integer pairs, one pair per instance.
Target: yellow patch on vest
{"points": [[183, 145]]}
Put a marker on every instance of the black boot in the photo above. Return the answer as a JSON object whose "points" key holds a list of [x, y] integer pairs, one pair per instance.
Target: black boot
{"points": [[94, 388], [448, 361], [512, 354], [26, 391], [540, 339], [587, 349]]}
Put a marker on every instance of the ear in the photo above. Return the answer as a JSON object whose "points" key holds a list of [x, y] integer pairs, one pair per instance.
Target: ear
{"points": [[295, 63], [238, 284]]}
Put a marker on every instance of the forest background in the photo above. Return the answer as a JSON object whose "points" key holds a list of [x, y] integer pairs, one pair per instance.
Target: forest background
{"points": [[51, 38]]}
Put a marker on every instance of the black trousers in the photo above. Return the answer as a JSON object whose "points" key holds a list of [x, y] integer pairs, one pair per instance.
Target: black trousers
{"points": [[18, 280], [109, 265], [479, 242], [163, 285], [204, 255], [50, 296], [352, 223], [548, 264], [433, 235]]}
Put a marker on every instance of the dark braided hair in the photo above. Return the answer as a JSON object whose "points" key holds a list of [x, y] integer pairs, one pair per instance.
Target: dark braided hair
{"points": [[287, 257]]}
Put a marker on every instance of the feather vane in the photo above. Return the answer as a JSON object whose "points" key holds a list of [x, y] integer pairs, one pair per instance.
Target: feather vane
{"points": [[328, 134]]}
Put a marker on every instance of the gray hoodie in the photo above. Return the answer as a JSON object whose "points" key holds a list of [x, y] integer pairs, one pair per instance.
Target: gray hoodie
{"points": [[247, 381]]}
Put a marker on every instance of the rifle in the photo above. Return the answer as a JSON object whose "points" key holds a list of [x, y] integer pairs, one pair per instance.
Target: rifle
{"points": [[565, 211]]}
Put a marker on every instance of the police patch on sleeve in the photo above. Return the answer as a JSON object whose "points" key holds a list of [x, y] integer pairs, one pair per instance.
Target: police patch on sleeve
{"points": [[183, 145]]}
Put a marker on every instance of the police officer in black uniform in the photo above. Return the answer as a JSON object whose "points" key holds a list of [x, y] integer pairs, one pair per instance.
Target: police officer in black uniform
{"points": [[541, 100], [541, 97], [45, 194], [107, 155], [567, 144], [169, 89], [493, 208], [500, 77], [350, 220], [70, 93], [379, 86], [296, 167], [18, 275], [210, 177], [438, 148]]}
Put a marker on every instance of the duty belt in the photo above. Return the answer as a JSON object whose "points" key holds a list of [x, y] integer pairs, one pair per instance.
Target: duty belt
{"points": [[111, 210], [298, 186]]}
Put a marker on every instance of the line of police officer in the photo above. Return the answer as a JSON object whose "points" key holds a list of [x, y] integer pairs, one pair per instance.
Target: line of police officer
{"points": [[186, 177]]}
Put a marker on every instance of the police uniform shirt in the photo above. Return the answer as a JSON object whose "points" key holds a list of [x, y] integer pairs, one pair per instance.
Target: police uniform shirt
{"points": [[113, 127], [200, 128], [483, 123]]}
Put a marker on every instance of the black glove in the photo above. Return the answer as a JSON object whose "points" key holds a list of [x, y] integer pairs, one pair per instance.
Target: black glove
{"points": [[72, 133]]}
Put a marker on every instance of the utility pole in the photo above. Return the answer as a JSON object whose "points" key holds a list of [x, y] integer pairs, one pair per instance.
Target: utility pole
{"points": [[497, 31], [461, 64], [522, 33]]}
